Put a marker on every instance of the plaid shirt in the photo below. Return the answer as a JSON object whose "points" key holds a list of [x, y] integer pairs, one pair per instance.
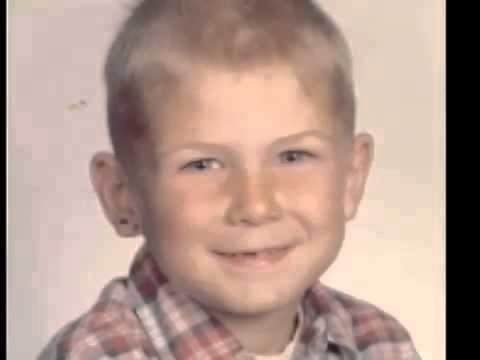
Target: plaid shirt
{"points": [[144, 317]]}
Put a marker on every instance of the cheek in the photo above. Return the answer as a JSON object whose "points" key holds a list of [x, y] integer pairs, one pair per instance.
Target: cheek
{"points": [[182, 223], [174, 235], [317, 198], [183, 210], [201, 204]]}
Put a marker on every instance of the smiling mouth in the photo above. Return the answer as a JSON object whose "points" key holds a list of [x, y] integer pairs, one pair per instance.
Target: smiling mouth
{"points": [[256, 258]]}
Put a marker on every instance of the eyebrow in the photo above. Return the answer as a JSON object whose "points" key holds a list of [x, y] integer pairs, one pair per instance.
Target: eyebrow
{"points": [[202, 146], [315, 133], [212, 147]]}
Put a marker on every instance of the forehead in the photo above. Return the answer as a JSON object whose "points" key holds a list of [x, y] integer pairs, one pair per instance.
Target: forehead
{"points": [[217, 105]]}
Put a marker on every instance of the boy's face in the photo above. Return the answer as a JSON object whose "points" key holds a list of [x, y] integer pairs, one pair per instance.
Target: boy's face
{"points": [[254, 184]]}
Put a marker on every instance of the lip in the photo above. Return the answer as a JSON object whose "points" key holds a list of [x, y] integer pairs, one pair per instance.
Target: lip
{"points": [[262, 259]]}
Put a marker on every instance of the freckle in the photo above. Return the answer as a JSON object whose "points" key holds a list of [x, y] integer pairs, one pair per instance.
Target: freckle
{"points": [[80, 104]]}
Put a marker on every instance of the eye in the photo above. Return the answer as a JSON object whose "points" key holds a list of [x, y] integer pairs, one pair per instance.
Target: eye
{"points": [[295, 156], [202, 165]]}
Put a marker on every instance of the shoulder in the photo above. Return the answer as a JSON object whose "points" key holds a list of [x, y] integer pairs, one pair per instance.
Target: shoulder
{"points": [[110, 328], [374, 331], [370, 324]]}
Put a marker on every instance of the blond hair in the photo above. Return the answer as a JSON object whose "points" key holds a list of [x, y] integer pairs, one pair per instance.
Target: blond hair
{"points": [[162, 41]]}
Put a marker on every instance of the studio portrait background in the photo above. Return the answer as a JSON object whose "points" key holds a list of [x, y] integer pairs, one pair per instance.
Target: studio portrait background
{"points": [[62, 251]]}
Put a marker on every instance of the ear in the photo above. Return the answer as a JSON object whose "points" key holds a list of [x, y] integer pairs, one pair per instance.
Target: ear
{"points": [[115, 194], [357, 173]]}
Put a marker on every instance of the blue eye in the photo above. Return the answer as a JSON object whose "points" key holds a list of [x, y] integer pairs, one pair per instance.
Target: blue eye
{"points": [[295, 156], [202, 165]]}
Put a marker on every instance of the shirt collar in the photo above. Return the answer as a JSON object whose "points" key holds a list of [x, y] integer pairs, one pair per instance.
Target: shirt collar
{"points": [[327, 321], [180, 329]]}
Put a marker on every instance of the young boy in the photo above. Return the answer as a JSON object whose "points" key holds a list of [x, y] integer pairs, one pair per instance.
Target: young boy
{"points": [[236, 158]]}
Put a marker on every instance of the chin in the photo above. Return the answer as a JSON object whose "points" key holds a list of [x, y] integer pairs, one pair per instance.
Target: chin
{"points": [[252, 303], [251, 307], [246, 309]]}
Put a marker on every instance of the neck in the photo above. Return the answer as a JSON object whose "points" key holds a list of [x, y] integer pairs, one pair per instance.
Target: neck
{"points": [[264, 334]]}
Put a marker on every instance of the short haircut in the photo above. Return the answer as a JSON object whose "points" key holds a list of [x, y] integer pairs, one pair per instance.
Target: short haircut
{"points": [[162, 42]]}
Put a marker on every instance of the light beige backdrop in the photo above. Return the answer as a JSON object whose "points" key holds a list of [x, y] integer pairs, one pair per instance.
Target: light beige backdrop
{"points": [[60, 249]]}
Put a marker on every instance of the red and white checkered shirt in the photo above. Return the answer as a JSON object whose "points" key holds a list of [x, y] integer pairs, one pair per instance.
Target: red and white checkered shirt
{"points": [[144, 317]]}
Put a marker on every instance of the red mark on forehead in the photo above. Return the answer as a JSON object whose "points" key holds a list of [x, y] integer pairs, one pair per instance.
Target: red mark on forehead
{"points": [[131, 115]]}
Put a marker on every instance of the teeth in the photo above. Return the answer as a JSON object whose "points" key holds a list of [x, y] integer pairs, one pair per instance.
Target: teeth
{"points": [[240, 254], [233, 255], [252, 253]]}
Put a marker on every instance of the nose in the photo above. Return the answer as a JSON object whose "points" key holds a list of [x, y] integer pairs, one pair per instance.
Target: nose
{"points": [[253, 202]]}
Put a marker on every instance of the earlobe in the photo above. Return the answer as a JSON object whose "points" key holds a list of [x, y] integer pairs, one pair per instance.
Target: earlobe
{"points": [[113, 192], [359, 168], [103, 178]]}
